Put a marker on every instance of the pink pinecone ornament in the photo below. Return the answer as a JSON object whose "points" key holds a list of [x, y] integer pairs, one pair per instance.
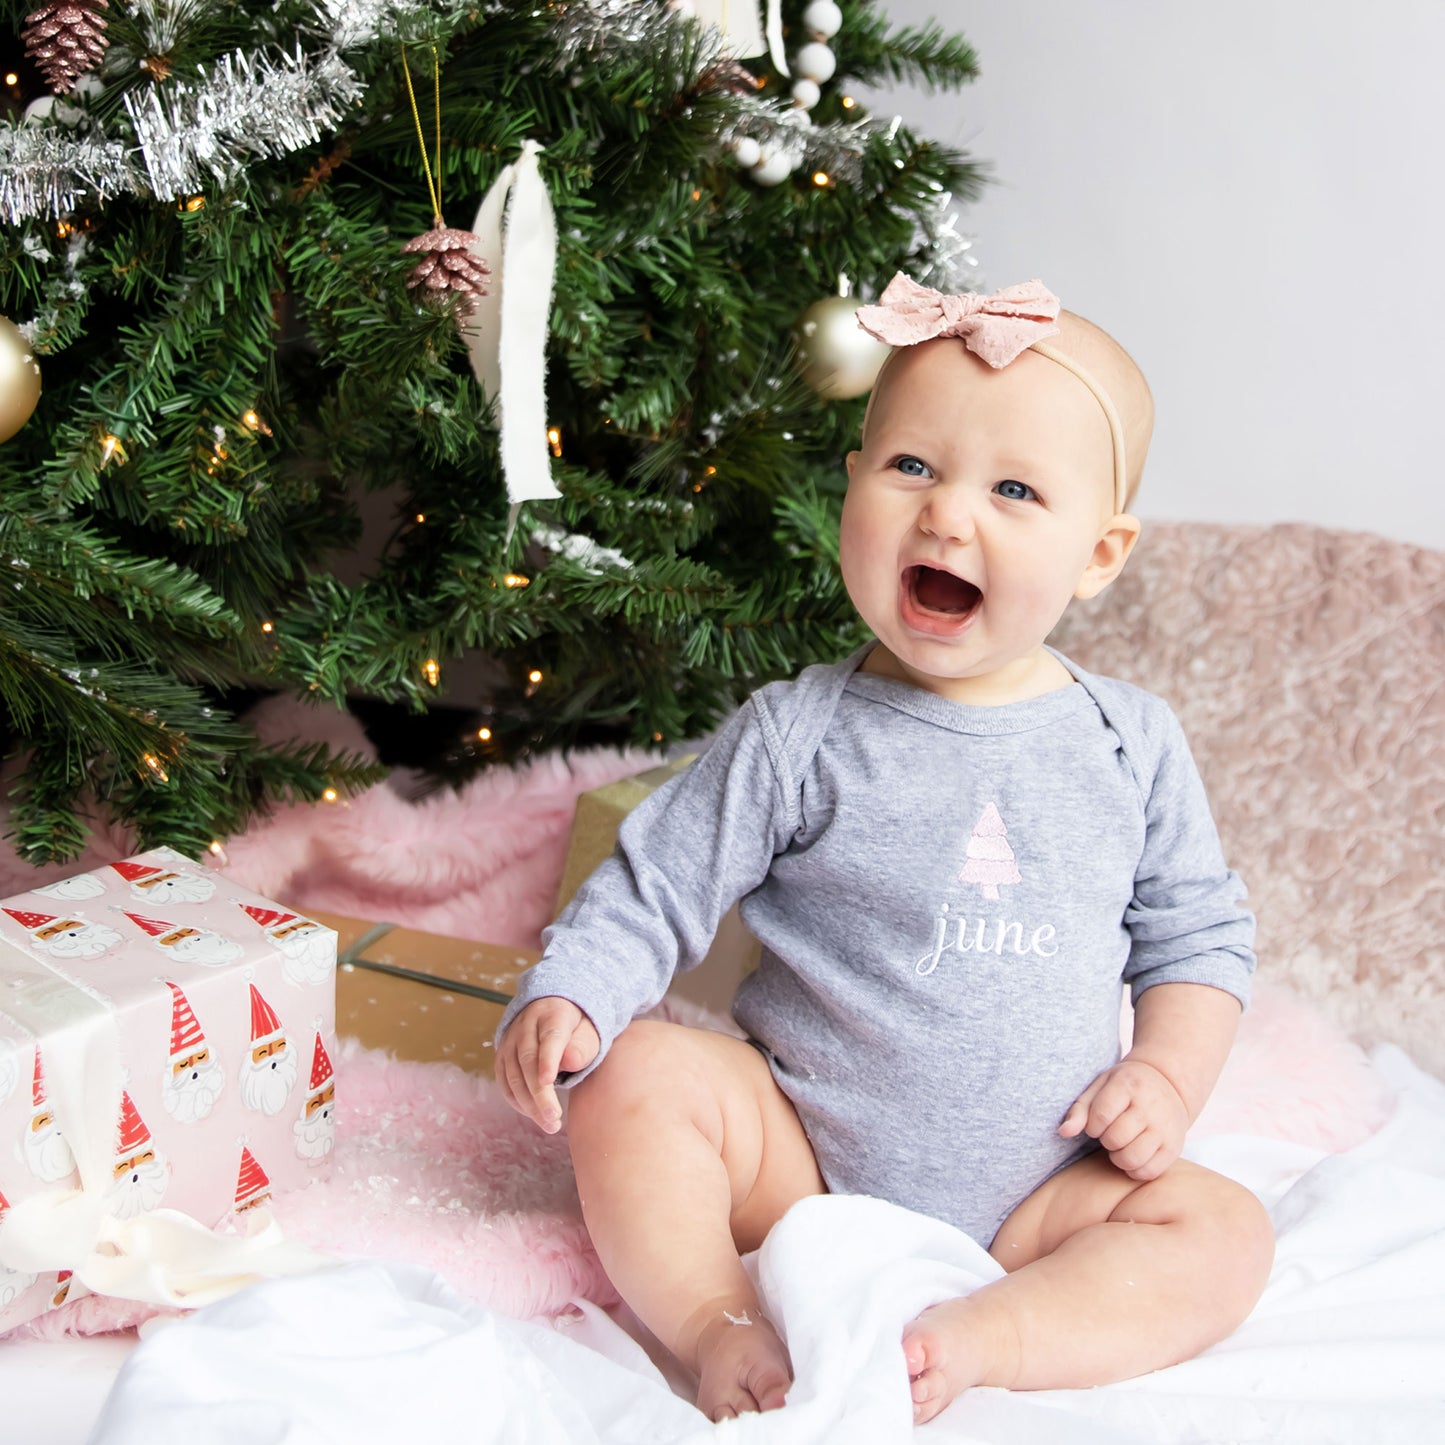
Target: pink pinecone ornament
{"points": [[66, 40], [448, 267]]}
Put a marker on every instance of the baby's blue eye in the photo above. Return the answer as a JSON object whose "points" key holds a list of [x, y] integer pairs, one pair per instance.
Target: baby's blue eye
{"points": [[1015, 491], [912, 467]]}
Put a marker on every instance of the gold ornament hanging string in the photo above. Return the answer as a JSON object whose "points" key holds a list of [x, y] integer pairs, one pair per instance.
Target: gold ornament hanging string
{"points": [[449, 268], [433, 183]]}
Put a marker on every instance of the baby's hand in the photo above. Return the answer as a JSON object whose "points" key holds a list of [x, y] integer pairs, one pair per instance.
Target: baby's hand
{"points": [[1136, 1114], [549, 1035]]}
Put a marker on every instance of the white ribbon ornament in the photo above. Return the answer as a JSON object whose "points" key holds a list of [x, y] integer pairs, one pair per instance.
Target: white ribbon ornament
{"points": [[506, 332], [742, 27], [162, 1257]]}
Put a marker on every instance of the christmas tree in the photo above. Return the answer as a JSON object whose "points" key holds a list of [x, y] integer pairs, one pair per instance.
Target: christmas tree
{"points": [[234, 246]]}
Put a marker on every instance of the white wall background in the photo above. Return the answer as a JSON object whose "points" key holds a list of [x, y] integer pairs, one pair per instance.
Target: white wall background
{"points": [[1250, 195]]}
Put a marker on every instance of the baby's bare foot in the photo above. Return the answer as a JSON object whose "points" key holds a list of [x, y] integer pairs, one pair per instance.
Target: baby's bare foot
{"points": [[949, 1349], [742, 1366]]}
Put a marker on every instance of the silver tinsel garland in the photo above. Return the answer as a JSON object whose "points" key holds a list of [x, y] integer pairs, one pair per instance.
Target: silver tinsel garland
{"points": [[47, 171], [192, 132], [940, 255], [190, 135]]}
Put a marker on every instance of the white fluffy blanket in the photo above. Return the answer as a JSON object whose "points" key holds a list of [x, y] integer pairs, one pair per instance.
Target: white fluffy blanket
{"points": [[1346, 1345]]}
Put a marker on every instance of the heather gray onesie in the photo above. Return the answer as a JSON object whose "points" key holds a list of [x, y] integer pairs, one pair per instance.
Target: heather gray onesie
{"points": [[948, 899]]}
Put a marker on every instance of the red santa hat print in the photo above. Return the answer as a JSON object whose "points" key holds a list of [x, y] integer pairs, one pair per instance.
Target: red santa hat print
{"points": [[37, 1086], [26, 919], [320, 1067], [264, 1023], [268, 917], [134, 1138], [138, 872], [253, 1184], [156, 927], [186, 1035]]}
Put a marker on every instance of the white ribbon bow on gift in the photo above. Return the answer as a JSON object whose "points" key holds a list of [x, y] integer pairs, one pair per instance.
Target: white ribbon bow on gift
{"points": [[163, 1257]]}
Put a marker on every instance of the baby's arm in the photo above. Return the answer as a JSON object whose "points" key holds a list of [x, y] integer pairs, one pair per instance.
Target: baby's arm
{"points": [[1140, 1109], [549, 1035]]}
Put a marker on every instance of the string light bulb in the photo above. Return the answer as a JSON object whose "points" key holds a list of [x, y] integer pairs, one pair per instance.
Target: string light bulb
{"points": [[252, 421], [154, 764], [484, 735], [219, 853], [11, 78], [329, 795], [431, 671], [822, 179], [111, 450], [849, 102], [534, 677], [554, 440], [268, 627], [513, 579], [420, 518], [193, 204]]}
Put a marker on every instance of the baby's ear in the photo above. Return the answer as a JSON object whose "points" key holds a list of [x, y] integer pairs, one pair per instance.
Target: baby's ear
{"points": [[852, 461], [1111, 551]]}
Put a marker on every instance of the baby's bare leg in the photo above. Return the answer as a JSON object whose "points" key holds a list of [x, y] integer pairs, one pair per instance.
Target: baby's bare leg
{"points": [[1108, 1279], [686, 1154]]}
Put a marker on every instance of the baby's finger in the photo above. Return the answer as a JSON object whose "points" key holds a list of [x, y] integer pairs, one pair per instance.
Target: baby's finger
{"points": [[553, 1038], [1151, 1168], [513, 1089], [1134, 1153], [1078, 1114], [540, 1101], [544, 1109], [582, 1047], [1106, 1106], [1124, 1131]]}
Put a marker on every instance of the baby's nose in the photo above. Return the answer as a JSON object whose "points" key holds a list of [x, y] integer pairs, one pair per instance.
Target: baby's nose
{"points": [[948, 515]]}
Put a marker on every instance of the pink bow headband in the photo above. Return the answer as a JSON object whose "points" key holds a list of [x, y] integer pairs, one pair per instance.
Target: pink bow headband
{"points": [[997, 329]]}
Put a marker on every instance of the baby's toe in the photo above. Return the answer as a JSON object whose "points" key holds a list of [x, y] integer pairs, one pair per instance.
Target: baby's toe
{"points": [[930, 1394], [920, 1349], [767, 1383]]}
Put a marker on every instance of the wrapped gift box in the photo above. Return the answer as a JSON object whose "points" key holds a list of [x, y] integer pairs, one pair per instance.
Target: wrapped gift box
{"points": [[734, 951], [423, 996], [202, 1013]]}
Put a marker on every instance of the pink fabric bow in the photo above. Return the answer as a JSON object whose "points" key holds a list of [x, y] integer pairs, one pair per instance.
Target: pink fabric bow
{"points": [[995, 328]]}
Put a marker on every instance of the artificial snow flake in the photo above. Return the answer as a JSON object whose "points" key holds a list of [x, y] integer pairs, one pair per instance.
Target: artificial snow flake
{"points": [[589, 555]]}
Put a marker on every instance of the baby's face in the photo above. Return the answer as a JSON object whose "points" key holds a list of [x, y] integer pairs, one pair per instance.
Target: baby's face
{"points": [[975, 513]]}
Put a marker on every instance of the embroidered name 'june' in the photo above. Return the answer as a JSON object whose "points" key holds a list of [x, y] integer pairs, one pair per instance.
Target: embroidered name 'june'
{"points": [[972, 935], [989, 863]]}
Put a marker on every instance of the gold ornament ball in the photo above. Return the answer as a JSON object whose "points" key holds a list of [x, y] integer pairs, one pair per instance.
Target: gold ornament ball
{"points": [[19, 380], [839, 358]]}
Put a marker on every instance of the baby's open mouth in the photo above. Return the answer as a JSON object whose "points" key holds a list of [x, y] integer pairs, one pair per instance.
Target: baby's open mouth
{"points": [[936, 591]]}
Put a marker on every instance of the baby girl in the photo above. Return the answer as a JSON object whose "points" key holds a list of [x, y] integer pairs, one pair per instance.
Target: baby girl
{"points": [[955, 847]]}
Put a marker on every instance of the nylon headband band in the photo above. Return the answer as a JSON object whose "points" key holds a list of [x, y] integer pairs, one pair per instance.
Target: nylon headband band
{"points": [[1111, 415]]}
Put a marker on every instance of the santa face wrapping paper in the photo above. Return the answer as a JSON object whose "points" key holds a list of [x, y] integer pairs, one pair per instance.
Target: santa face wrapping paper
{"points": [[217, 1008]]}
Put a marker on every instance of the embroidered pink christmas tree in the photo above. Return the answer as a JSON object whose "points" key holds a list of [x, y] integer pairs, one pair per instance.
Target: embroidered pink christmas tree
{"points": [[990, 859]]}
